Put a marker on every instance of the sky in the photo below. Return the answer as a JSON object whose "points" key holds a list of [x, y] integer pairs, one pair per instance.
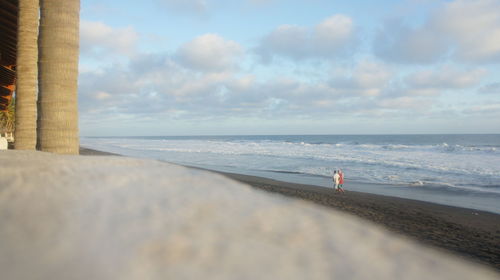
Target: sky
{"points": [[244, 67]]}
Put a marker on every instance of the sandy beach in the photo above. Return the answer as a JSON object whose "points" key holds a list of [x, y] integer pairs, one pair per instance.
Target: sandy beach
{"points": [[472, 234], [467, 232]]}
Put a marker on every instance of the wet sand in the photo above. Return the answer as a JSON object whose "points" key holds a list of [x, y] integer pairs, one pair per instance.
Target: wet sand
{"points": [[90, 152], [472, 234]]}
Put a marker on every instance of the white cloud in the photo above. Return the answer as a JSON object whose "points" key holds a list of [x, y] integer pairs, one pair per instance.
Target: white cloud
{"points": [[154, 85], [465, 30], [102, 95], [199, 87], [490, 109], [403, 102], [286, 40], [493, 88], [163, 87], [445, 77], [210, 52], [419, 91], [367, 79], [475, 28], [330, 38], [399, 43], [157, 88], [332, 35], [97, 38]]}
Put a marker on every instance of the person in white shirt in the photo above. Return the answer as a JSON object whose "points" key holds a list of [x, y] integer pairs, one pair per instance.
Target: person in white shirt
{"points": [[336, 180]]}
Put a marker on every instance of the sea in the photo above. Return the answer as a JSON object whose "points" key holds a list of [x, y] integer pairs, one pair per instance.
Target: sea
{"points": [[456, 170]]}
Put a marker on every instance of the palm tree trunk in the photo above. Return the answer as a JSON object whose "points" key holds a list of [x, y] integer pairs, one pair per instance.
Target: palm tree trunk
{"points": [[27, 72], [58, 76]]}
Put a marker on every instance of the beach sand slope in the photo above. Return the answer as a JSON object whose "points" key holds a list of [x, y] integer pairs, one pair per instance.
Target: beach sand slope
{"points": [[76, 217]]}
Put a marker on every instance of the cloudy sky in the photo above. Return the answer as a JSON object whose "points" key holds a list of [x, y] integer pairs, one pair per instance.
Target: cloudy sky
{"points": [[218, 67]]}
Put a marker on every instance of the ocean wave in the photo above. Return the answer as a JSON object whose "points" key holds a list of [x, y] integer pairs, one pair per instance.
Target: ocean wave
{"points": [[466, 149], [400, 156], [461, 166], [256, 145]]}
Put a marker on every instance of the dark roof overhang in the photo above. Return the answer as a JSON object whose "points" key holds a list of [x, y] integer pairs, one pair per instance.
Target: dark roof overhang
{"points": [[8, 50]]}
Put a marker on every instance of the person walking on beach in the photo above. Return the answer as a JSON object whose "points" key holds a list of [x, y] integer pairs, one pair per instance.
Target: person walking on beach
{"points": [[341, 181], [336, 180]]}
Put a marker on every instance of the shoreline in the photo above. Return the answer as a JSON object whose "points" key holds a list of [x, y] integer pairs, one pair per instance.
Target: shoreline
{"points": [[469, 233]]}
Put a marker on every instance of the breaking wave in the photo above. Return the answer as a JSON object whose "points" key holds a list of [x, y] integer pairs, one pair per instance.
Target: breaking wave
{"points": [[465, 166]]}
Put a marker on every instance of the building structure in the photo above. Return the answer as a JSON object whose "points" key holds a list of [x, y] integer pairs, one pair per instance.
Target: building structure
{"points": [[39, 49], [8, 50]]}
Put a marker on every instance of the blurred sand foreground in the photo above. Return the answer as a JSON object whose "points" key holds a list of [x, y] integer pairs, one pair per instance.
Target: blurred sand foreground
{"points": [[105, 217]]}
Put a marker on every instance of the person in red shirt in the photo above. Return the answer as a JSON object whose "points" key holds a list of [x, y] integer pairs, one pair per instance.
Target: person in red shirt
{"points": [[341, 182]]}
